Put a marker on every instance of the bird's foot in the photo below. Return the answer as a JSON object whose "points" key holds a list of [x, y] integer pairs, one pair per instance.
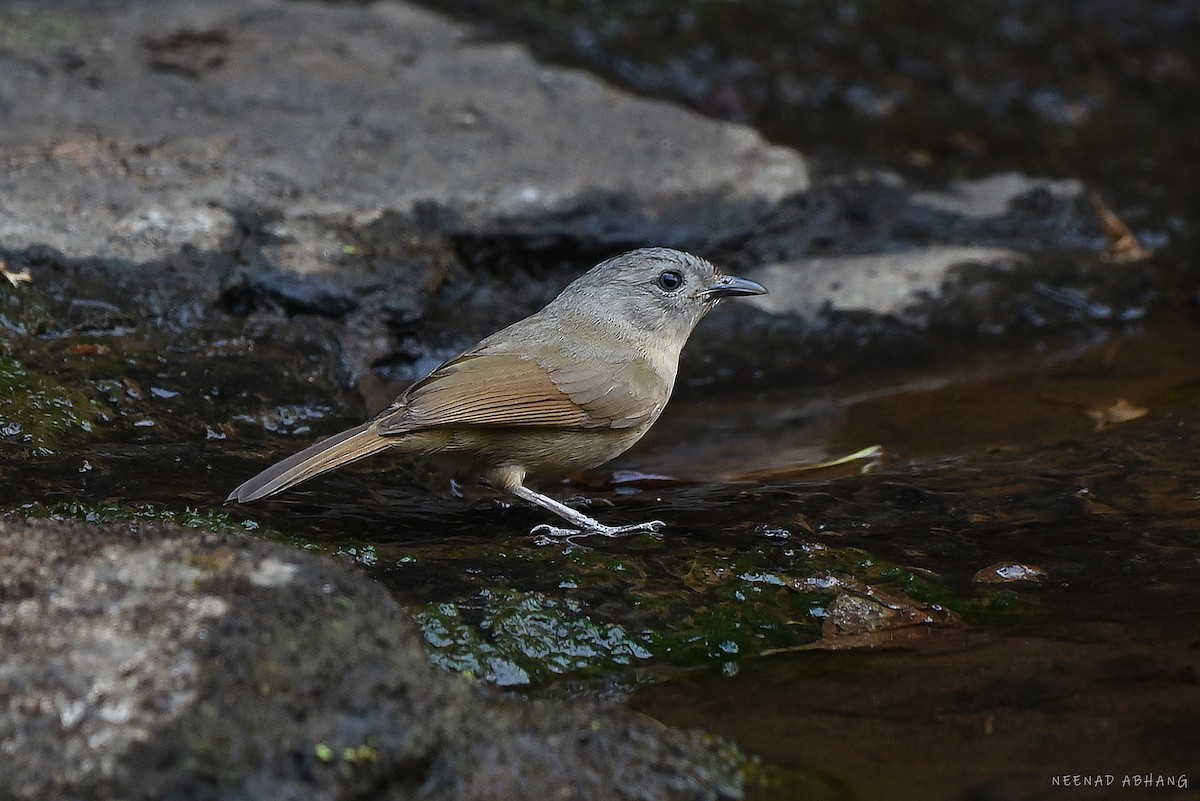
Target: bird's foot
{"points": [[546, 533]]}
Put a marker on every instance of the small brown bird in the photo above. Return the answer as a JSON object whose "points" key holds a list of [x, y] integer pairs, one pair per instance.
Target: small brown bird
{"points": [[565, 389]]}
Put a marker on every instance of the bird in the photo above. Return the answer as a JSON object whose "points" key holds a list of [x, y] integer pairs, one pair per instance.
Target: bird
{"points": [[566, 389]]}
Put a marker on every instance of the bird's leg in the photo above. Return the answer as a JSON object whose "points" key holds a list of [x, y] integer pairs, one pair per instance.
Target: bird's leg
{"points": [[586, 525]]}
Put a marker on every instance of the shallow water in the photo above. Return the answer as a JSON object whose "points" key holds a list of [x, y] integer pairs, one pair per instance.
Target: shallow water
{"points": [[828, 620], [1096, 676]]}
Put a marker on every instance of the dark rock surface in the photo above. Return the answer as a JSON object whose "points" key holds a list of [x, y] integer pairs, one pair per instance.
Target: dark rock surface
{"points": [[152, 661]]}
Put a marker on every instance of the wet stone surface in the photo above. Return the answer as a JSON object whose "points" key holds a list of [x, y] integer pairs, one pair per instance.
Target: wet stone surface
{"points": [[185, 666]]}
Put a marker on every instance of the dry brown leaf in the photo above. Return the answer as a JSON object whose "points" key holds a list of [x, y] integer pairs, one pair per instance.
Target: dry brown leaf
{"points": [[1123, 245], [22, 277], [861, 613], [1120, 412], [87, 349], [868, 617], [79, 152], [700, 578], [870, 455], [802, 521]]}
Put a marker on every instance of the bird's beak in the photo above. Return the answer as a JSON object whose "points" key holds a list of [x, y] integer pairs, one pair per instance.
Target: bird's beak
{"points": [[728, 286]]}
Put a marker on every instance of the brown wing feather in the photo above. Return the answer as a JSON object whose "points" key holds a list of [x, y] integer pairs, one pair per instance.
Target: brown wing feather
{"points": [[484, 390], [519, 391], [623, 397]]}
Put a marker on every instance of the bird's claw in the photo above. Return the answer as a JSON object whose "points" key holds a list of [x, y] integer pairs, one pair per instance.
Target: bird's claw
{"points": [[651, 527], [546, 533]]}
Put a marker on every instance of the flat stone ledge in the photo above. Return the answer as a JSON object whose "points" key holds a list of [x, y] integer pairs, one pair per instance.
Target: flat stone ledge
{"points": [[134, 130], [877, 283]]}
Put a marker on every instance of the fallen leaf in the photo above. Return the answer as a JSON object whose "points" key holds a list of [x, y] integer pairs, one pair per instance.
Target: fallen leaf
{"points": [[876, 610], [1093, 506], [1120, 412], [871, 454], [87, 349], [1123, 245], [802, 521], [22, 277], [79, 152], [863, 616], [700, 578]]}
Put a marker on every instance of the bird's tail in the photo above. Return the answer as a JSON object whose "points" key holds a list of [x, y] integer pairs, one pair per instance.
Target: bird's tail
{"points": [[344, 448]]}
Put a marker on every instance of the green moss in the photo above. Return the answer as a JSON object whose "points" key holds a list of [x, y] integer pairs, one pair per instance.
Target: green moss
{"points": [[999, 608], [118, 513], [362, 754], [515, 638], [715, 606], [38, 412], [31, 32], [764, 782]]}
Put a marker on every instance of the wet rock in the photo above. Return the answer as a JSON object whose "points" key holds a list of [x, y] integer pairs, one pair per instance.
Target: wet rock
{"points": [[169, 123], [391, 169], [37, 411], [886, 283], [291, 294], [994, 195], [150, 661], [418, 188]]}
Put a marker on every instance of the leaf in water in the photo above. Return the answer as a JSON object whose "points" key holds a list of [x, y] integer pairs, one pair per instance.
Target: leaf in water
{"points": [[1120, 412], [1123, 245], [701, 577], [865, 616], [871, 453], [14, 278], [856, 614], [82, 350], [1008, 572]]}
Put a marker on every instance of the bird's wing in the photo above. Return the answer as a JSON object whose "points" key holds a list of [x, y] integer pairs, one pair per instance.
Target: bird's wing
{"points": [[505, 390], [616, 397]]}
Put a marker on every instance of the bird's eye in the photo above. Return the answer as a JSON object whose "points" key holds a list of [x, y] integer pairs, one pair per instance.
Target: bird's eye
{"points": [[670, 280]]}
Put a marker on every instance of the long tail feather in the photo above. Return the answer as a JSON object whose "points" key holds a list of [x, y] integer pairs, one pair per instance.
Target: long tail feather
{"points": [[348, 446]]}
